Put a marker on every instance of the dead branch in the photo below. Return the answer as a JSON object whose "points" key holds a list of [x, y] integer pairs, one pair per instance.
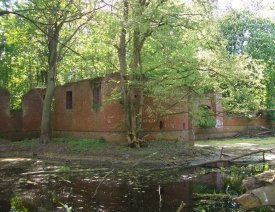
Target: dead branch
{"points": [[104, 178], [149, 156], [251, 153], [221, 154], [222, 162], [60, 171]]}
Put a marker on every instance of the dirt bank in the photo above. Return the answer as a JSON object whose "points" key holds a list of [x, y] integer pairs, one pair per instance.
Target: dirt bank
{"points": [[160, 154]]}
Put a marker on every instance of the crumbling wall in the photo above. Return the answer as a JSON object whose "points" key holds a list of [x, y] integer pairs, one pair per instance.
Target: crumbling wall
{"points": [[173, 125], [234, 126], [84, 109], [91, 114], [32, 104], [5, 116], [24, 123]]}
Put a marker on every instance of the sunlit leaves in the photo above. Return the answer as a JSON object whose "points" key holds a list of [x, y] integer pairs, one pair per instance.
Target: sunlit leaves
{"points": [[248, 34]]}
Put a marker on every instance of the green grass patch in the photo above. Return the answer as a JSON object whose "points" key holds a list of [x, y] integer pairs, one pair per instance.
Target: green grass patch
{"points": [[65, 169], [99, 146], [232, 141], [26, 142], [83, 144], [18, 205]]}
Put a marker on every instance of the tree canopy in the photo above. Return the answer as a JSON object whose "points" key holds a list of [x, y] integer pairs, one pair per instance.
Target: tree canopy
{"points": [[247, 34], [159, 48]]}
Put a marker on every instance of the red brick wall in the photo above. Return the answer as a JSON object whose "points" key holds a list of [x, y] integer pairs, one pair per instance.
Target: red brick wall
{"points": [[84, 117], [232, 126], [5, 117], [16, 121], [240, 122], [32, 104], [86, 120], [168, 127], [26, 120]]}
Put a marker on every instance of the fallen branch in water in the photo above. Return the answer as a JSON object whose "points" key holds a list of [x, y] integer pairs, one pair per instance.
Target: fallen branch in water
{"points": [[104, 178], [197, 196], [60, 171], [252, 153], [149, 156], [222, 162]]}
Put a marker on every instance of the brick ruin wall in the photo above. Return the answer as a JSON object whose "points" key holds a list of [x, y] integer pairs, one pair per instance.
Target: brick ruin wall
{"points": [[24, 123], [89, 113], [83, 109]]}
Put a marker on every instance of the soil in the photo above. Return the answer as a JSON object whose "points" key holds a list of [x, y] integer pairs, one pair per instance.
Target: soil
{"points": [[155, 155]]}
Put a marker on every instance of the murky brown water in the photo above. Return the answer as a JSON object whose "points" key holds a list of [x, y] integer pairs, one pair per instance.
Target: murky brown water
{"points": [[118, 190]]}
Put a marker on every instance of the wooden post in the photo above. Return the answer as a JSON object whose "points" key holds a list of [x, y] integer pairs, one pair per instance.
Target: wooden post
{"points": [[221, 154]]}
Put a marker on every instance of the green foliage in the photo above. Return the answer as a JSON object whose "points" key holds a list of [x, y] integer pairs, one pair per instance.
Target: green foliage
{"points": [[83, 145], [22, 59], [17, 205], [247, 34], [66, 207], [181, 56], [206, 117], [27, 142], [65, 169]]}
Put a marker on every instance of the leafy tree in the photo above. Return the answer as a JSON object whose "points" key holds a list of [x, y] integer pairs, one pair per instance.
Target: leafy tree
{"points": [[169, 52], [250, 35], [50, 18], [22, 63], [174, 54], [147, 52]]}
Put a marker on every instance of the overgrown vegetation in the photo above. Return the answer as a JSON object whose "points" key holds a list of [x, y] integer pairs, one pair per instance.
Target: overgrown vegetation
{"points": [[82, 144], [169, 51], [17, 205]]}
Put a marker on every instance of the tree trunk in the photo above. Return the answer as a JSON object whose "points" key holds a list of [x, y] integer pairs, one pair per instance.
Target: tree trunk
{"points": [[122, 57], [132, 91], [53, 36]]}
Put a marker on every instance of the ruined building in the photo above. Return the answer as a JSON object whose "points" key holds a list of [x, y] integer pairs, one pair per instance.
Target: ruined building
{"points": [[82, 109]]}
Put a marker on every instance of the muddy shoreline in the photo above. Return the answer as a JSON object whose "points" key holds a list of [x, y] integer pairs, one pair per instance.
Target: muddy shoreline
{"points": [[157, 155], [103, 177]]}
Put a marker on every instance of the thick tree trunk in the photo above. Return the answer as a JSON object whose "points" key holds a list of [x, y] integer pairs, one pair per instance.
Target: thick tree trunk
{"points": [[122, 56], [132, 91], [135, 91], [53, 36], [46, 113]]}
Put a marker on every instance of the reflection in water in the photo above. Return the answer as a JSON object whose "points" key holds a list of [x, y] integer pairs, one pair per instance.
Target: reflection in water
{"points": [[123, 190], [113, 196]]}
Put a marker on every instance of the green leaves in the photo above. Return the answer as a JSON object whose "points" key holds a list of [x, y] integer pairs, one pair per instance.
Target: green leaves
{"points": [[249, 35], [181, 48]]}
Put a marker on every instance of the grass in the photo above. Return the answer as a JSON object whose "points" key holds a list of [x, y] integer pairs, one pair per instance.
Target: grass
{"points": [[26, 143], [99, 146], [83, 144]]}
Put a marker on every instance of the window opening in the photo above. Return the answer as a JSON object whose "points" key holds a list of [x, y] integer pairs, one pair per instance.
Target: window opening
{"points": [[161, 125], [97, 95], [69, 100]]}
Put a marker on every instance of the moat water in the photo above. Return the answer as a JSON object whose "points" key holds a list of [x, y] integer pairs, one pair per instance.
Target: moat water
{"points": [[68, 187]]}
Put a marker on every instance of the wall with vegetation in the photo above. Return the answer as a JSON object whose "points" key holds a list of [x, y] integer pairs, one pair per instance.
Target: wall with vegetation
{"points": [[91, 109]]}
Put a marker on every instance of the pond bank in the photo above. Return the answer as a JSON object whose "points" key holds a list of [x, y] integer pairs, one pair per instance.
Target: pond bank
{"points": [[155, 155], [37, 185], [96, 176]]}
